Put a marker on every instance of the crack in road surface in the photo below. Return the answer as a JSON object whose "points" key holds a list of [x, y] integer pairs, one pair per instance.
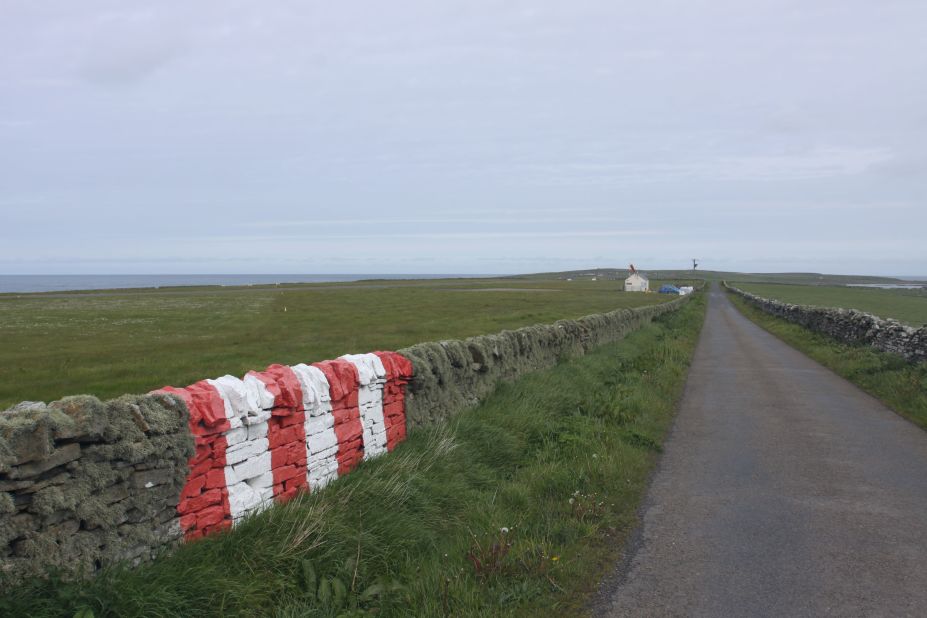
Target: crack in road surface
{"points": [[783, 490]]}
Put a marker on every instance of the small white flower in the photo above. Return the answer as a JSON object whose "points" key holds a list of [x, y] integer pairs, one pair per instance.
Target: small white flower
{"points": [[572, 500], [594, 456], [504, 530]]}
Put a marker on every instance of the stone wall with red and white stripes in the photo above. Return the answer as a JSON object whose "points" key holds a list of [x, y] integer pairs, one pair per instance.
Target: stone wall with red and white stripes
{"points": [[264, 437], [85, 484]]}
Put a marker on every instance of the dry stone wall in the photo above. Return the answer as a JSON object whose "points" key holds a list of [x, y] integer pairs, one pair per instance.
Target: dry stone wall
{"points": [[277, 432], [85, 484], [848, 325], [450, 376]]}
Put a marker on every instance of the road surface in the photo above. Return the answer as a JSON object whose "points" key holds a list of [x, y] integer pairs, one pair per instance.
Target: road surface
{"points": [[783, 490]]}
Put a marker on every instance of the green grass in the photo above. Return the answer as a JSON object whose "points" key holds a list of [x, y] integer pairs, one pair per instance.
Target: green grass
{"points": [[901, 305], [559, 458], [110, 343], [677, 276], [902, 386]]}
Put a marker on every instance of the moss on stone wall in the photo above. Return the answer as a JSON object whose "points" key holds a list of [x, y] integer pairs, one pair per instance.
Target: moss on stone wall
{"points": [[453, 375], [85, 484]]}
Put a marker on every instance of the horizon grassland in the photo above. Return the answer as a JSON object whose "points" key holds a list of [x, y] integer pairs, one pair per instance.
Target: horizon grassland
{"points": [[110, 342], [719, 275], [905, 305]]}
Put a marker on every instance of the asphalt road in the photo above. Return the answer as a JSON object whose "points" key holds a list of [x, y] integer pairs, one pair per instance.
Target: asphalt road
{"points": [[783, 491]]}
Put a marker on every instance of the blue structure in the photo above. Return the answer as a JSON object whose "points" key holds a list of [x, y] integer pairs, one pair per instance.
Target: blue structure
{"points": [[669, 289]]}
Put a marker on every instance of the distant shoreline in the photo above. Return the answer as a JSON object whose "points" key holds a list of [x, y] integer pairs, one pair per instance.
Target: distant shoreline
{"points": [[37, 284], [30, 284]]}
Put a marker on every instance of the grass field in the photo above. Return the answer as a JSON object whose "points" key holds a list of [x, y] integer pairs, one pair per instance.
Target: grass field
{"points": [[113, 342], [516, 507], [902, 386], [680, 276], [902, 305]]}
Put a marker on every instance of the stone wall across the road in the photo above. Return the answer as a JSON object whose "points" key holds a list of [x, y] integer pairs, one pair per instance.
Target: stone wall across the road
{"points": [[85, 484], [848, 326]]}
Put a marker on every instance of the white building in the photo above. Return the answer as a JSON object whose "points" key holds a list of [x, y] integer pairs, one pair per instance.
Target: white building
{"points": [[637, 282]]}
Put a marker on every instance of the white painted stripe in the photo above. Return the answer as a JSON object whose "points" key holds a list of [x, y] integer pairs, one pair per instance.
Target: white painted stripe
{"points": [[248, 475], [371, 378], [321, 441]]}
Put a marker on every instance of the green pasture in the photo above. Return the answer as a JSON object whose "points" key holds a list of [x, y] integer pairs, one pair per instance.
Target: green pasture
{"points": [[680, 277], [901, 305], [106, 343]]}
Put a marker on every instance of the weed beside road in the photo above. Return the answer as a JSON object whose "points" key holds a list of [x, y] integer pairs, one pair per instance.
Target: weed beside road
{"points": [[900, 385], [516, 507]]}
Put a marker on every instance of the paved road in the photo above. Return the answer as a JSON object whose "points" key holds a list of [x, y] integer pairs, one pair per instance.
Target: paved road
{"points": [[783, 491]]}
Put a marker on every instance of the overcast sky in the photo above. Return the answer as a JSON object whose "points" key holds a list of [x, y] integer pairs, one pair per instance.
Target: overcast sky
{"points": [[462, 137]]}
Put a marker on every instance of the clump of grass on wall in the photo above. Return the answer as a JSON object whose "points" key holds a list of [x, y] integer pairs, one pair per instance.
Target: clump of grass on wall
{"points": [[513, 507]]}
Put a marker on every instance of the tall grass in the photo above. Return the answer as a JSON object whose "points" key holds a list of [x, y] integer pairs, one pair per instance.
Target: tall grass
{"points": [[899, 384], [514, 507]]}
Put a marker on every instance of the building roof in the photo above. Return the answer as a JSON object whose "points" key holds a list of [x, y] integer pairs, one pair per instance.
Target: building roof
{"points": [[639, 274]]}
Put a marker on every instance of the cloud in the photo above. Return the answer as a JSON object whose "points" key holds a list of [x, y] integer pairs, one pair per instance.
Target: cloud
{"points": [[463, 134], [127, 46], [819, 162], [488, 221], [125, 65]]}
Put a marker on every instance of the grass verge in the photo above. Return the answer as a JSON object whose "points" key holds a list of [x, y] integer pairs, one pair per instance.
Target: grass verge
{"points": [[899, 384], [516, 506]]}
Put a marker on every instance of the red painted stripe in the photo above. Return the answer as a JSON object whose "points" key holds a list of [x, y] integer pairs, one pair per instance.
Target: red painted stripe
{"points": [[283, 384], [204, 500], [286, 431], [398, 373], [343, 384]]}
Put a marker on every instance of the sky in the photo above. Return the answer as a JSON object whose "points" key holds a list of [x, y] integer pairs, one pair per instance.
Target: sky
{"points": [[485, 136]]}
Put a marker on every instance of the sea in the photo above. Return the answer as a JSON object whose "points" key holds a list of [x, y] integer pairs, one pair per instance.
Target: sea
{"points": [[64, 283]]}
